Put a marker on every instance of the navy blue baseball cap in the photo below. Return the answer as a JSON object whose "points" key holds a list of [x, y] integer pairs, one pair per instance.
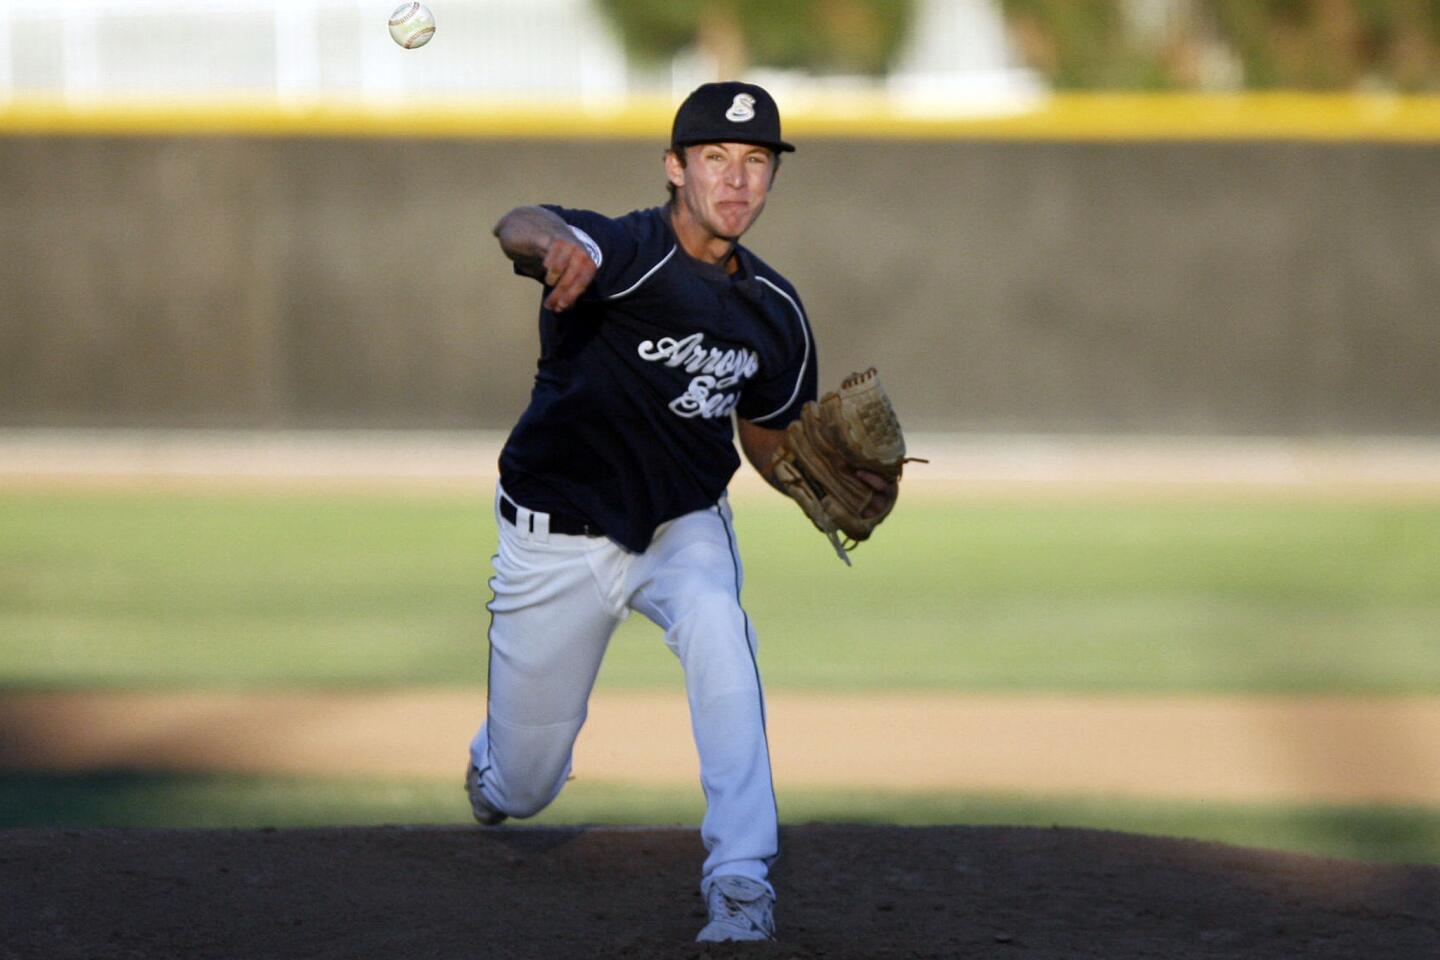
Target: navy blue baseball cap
{"points": [[729, 112]]}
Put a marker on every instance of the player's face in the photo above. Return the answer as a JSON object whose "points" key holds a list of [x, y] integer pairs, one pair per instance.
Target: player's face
{"points": [[723, 186]]}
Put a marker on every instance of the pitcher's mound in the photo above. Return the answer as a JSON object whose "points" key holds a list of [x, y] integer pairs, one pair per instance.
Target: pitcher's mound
{"points": [[845, 892]]}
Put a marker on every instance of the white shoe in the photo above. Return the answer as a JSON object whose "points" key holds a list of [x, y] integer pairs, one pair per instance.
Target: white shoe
{"points": [[485, 815], [740, 909]]}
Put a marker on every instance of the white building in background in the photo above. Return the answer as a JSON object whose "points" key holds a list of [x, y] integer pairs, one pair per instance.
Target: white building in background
{"points": [[306, 51], [959, 58]]}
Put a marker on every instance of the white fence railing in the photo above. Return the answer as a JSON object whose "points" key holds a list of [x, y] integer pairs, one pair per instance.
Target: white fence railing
{"points": [[81, 51]]}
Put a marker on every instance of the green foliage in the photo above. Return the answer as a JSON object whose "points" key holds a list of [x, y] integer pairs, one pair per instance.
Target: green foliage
{"points": [[654, 29], [823, 36], [1292, 44], [1336, 45], [1082, 43]]}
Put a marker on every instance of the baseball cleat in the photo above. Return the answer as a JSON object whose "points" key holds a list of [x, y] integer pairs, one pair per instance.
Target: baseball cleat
{"points": [[485, 815], [740, 909]]}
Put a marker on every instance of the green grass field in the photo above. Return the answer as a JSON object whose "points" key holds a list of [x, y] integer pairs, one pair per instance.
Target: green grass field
{"points": [[150, 590], [201, 590]]}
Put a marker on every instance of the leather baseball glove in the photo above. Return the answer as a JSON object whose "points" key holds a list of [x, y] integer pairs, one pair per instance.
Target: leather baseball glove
{"points": [[824, 458]]}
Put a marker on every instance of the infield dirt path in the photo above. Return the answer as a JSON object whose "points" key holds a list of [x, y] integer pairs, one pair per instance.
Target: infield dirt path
{"points": [[1282, 749]]}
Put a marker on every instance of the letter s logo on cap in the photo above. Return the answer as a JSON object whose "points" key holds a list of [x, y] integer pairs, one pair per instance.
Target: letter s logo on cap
{"points": [[742, 109]]}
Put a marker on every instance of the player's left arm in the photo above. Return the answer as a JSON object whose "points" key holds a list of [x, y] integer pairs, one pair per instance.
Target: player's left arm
{"points": [[760, 444]]}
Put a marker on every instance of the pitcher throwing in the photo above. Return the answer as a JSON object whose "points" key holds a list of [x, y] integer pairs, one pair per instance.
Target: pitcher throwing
{"points": [[657, 329]]}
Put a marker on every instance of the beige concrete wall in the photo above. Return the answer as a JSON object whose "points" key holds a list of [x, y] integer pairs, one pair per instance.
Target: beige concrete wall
{"points": [[1207, 288]]}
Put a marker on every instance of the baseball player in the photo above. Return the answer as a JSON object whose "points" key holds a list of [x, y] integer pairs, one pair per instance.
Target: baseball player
{"points": [[657, 328]]}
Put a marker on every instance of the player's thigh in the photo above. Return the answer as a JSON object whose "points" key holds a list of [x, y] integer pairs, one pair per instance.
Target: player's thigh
{"points": [[692, 591], [548, 631]]}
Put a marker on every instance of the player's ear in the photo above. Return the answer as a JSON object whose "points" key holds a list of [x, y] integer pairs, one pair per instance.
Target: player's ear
{"points": [[674, 169]]}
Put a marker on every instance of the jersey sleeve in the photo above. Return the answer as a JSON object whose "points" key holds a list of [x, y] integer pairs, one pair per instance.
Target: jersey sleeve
{"points": [[790, 377], [616, 246]]}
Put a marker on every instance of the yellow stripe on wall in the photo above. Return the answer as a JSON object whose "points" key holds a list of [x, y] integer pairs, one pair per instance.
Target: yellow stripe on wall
{"points": [[1269, 116], [1283, 116]]}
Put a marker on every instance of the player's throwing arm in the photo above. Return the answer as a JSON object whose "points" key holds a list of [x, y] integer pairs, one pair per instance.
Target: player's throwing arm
{"points": [[547, 248]]}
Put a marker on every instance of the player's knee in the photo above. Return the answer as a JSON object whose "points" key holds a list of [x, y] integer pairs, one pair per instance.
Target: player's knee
{"points": [[527, 808], [524, 789], [523, 800]]}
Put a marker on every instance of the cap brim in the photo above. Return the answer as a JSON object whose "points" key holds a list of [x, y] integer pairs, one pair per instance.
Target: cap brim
{"points": [[779, 146]]}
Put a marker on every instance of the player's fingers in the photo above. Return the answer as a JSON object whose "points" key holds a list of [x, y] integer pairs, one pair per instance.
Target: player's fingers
{"points": [[580, 274], [886, 489], [874, 481], [877, 506], [554, 263], [573, 280]]}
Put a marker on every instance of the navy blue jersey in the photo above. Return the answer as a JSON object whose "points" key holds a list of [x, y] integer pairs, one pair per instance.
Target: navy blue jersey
{"points": [[629, 420]]}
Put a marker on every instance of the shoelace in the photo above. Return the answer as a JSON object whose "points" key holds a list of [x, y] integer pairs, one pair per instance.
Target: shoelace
{"points": [[735, 908]]}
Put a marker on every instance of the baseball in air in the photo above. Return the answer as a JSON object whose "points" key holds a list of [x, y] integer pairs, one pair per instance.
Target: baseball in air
{"points": [[412, 25]]}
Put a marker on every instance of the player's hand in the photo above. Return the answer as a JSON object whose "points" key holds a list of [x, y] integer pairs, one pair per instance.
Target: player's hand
{"points": [[886, 488], [568, 271]]}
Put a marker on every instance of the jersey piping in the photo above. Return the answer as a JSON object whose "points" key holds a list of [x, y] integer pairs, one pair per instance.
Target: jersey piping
{"points": [[804, 360], [648, 274]]}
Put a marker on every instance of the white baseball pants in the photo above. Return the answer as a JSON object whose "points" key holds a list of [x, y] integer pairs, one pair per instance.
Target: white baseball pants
{"points": [[557, 601]]}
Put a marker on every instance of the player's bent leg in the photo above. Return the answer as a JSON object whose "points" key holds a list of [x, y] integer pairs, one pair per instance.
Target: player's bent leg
{"points": [[548, 634], [521, 769]]}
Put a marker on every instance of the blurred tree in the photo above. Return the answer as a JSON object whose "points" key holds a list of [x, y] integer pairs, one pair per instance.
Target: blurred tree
{"points": [[1082, 43], [822, 36], [1334, 44], [1299, 44]]}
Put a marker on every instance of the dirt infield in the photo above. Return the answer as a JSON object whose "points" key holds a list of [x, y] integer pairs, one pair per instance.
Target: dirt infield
{"points": [[974, 465], [845, 892], [1332, 749]]}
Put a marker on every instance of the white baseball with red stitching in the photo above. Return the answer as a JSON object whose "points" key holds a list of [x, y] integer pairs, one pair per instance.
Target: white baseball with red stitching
{"points": [[412, 25]]}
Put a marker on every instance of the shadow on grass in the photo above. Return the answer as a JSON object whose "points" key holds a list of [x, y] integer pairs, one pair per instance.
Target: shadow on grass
{"points": [[122, 798]]}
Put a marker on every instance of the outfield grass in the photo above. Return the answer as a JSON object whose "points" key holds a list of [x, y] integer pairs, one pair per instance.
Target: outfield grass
{"points": [[147, 589], [1394, 834]]}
